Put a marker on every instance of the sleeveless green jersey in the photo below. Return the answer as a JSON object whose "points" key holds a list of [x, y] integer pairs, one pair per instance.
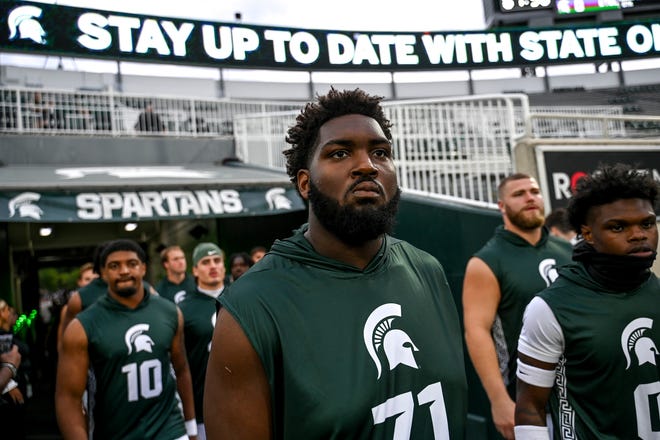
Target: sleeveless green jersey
{"points": [[608, 380], [355, 354], [91, 292], [176, 292], [199, 313], [522, 270], [129, 352]]}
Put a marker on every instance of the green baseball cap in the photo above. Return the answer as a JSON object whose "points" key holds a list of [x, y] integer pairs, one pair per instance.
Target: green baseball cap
{"points": [[205, 250]]}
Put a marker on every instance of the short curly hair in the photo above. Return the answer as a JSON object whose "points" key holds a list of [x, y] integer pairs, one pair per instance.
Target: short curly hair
{"points": [[608, 184], [304, 134]]}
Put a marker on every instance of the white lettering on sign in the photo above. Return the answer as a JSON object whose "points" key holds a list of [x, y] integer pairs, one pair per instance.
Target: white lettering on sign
{"points": [[371, 49], [128, 205], [302, 46], [163, 37], [569, 43], [444, 49], [236, 41]]}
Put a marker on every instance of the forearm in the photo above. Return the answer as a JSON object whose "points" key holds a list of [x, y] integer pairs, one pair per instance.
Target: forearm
{"points": [[70, 418], [184, 387], [5, 376], [481, 349]]}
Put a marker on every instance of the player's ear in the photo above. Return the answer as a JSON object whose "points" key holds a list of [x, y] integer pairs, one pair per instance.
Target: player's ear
{"points": [[585, 231], [303, 180]]}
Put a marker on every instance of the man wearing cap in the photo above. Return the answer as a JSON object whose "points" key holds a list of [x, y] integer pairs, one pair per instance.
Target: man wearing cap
{"points": [[199, 313]]}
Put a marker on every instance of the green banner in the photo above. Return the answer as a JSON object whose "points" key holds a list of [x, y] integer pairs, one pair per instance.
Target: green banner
{"points": [[61, 30], [91, 206]]}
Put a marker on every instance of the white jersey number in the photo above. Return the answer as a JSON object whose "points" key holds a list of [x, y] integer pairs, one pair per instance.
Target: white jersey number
{"points": [[647, 396], [145, 381], [402, 407]]}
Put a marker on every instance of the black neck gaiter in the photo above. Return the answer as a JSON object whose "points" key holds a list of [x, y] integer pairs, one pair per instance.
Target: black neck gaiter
{"points": [[620, 273]]}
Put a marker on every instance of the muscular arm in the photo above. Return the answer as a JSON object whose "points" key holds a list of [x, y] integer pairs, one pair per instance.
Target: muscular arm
{"points": [[481, 297], [182, 370], [72, 308], [236, 396], [71, 381], [531, 400]]}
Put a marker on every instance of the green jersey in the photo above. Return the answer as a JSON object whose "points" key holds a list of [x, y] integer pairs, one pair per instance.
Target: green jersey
{"points": [[355, 354], [608, 380], [129, 352], [522, 270], [199, 313], [91, 292], [176, 292]]}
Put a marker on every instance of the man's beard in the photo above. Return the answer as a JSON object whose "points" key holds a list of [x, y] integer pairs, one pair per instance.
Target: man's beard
{"points": [[351, 224], [522, 219], [126, 291]]}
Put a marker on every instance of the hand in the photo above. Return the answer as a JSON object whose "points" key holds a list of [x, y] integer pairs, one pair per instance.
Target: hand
{"points": [[503, 417], [12, 356], [16, 396]]}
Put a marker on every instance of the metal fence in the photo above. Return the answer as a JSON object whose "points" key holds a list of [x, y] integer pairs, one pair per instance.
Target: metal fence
{"points": [[450, 148], [456, 148], [40, 111]]}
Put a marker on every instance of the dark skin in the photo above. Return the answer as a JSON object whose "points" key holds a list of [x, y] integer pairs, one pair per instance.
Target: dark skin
{"points": [[123, 269], [237, 401], [623, 227]]}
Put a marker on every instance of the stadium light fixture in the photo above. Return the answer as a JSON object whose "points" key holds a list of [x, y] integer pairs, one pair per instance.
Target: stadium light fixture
{"points": [[130, 227], [45, 231]]}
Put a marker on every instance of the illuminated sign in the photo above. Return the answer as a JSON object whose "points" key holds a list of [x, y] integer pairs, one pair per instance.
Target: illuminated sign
{"points": [[524, 5], [561, 167], [54, 29], [586, 6]]}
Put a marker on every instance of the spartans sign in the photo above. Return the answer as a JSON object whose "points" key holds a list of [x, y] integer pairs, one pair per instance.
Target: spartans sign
{"points": [[54, 29], [90, 206]]}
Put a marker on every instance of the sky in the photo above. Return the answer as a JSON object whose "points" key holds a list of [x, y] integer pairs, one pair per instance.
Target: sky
{"points": [[357, 15]]}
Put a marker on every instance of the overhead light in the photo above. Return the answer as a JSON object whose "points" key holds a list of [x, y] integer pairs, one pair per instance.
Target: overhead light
{"points": [[45, 231], [130, 227]]}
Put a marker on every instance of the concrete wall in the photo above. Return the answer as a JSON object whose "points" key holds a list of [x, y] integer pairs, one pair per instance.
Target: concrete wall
{"points": [[83, 150]]}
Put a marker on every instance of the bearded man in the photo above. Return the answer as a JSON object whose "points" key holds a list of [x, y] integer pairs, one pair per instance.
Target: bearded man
{"points": [[340, 328], [500, 280], [130, 340]]}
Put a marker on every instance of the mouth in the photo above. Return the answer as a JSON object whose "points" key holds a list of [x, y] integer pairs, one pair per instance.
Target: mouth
{"points": [[641, 251], [366, 189]]}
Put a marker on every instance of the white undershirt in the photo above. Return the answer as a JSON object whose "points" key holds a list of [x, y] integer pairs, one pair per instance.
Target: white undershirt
{"points": [[212, 293], [541, 337]]}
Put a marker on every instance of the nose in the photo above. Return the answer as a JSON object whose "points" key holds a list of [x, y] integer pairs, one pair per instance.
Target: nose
{"points": [[638, 233], [364, 164]]}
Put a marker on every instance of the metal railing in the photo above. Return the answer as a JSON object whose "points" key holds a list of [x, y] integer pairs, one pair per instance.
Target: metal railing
{"points": [[572, 125], [454, 148], [40, 111]]}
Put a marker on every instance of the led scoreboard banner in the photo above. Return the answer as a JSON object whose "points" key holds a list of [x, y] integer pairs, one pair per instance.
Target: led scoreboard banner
{"points": [[524, 5], [47, 29], [565, 7]]}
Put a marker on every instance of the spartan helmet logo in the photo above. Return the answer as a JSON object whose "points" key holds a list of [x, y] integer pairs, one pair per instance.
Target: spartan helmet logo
{"points": [[23, 204], [632, 338], [23, 24], [134, 337], [548, 270], [277, 200], [179, 296], [397, 345]]}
